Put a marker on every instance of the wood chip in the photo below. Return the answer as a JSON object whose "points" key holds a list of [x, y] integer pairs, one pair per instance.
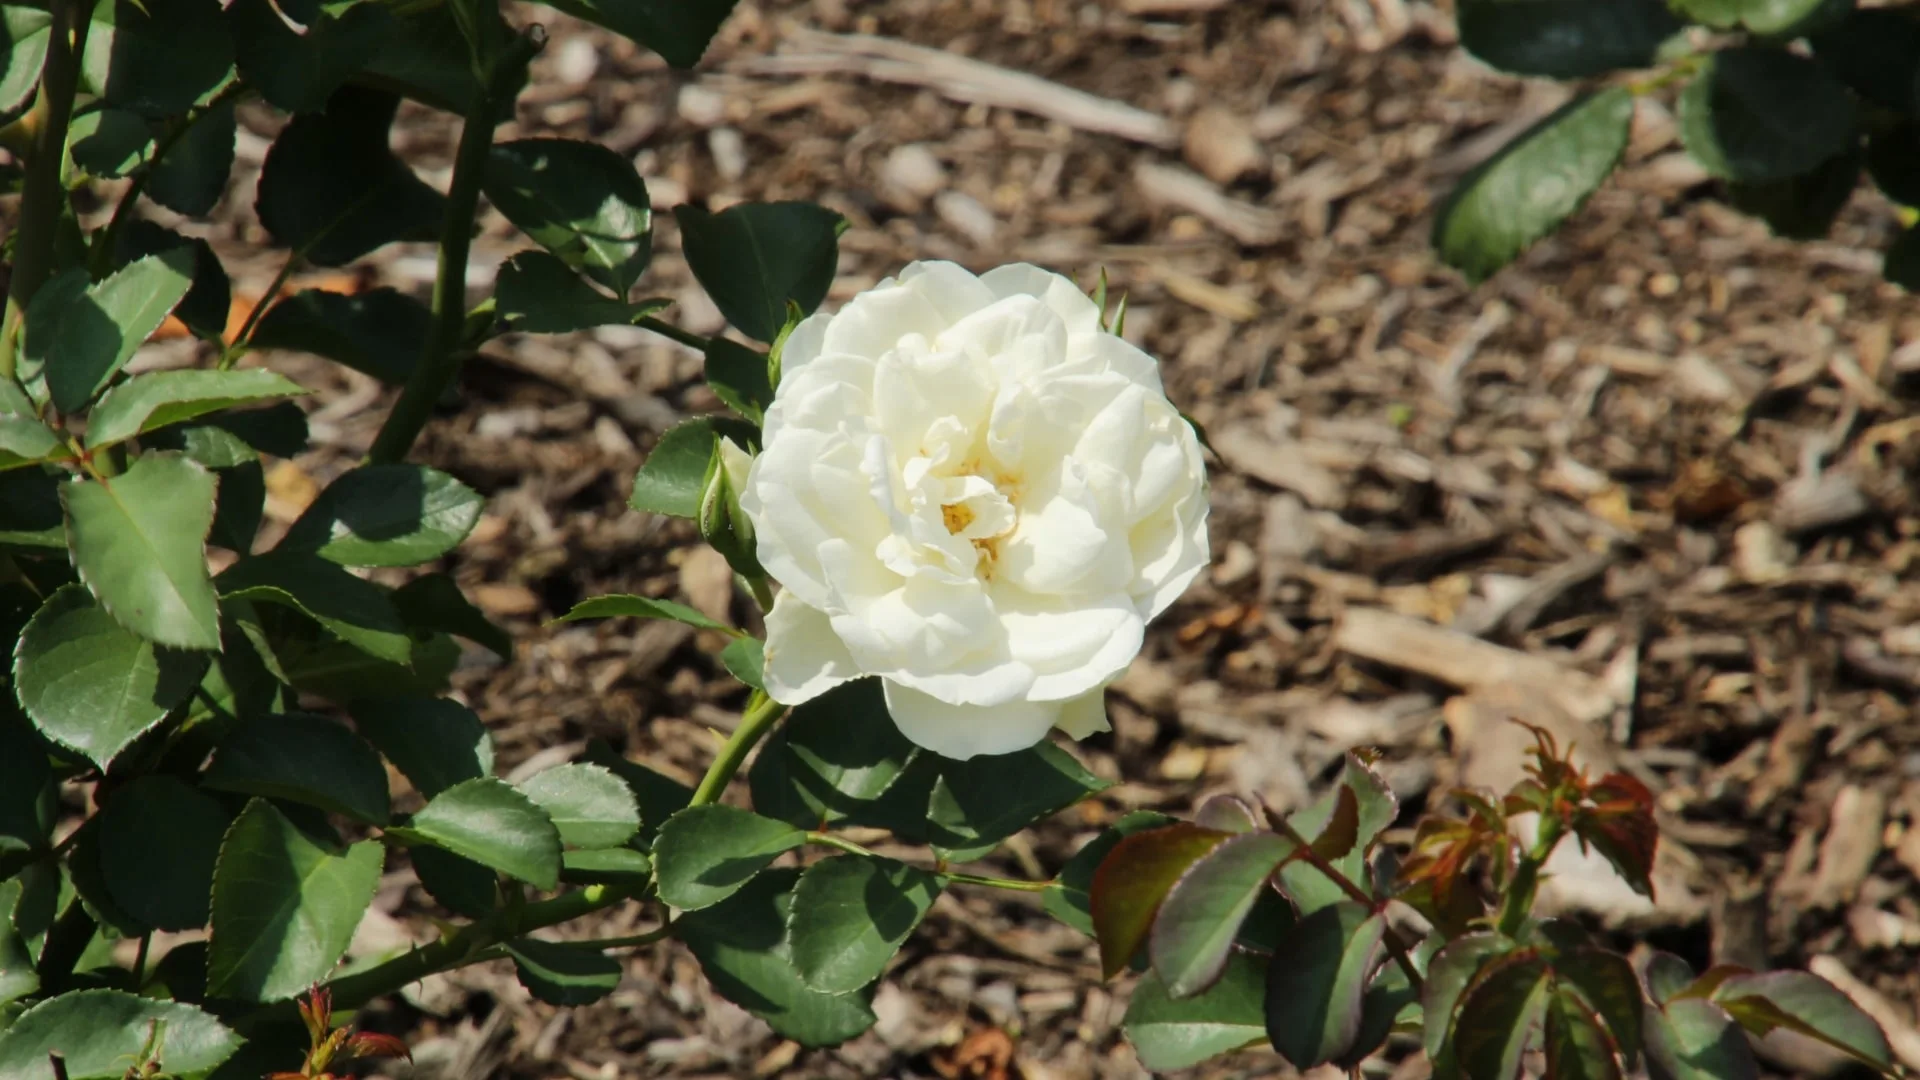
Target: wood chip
{"points": [[1170, 185], [1222, 146], [1852, 844], [1467, 662], [1286, 466]]}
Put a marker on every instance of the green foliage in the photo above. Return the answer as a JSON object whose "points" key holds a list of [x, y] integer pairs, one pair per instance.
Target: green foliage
{"points": [[1776, 108], [491, 823], [850, 915], [755, 258], [561, 974], [704, 854], [99, 1032], [589, 805], [580, 201]]}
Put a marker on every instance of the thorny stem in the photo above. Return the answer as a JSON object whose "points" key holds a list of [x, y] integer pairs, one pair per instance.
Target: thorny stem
{"points": [[761, 714], [43, 195], [1305, 853], [1014, 885], [440, 361], [668, 330]]}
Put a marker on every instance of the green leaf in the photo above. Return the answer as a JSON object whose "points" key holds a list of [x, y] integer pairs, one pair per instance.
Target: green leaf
{"points": [[674, 475], [1667, 976], [23, 43], [279, 430], [1606, 984], [298, 71], [87, 874], [190, 178], [563, 974], [835, 758], [659, 797], [138, 540], [590, 806], [1758, 16], [614, 865], [29, 800], [1389, 1000], [981, 801], [108, 143], [1694, 1039], [353, 608], [1503, 1007], [1893, 160], [387, 515], [380, 332], [157, 57], [1808, 1005], [1201, 915], [754, 257], [678, 30], [435, 742], [435, 602], [332, 189], [1069, 897], [620, 605], [1755, 115], [536, 293], [159, 398], [1532, 184], [851, 914], [1874, 51], [284, 906], [26, 441], [1307, 886], [18, 978], [1314, 998], [342, 672], [1801, 207], [1175, 1033], [90, 685], [84, 340], [97, 1033], [305, 759], [741, 945], [158, 842], [424, 56], [1133, 880], [1578, 1045], [1565, 39], [745, 658], [30, 514], [1448, 975], [461, 885], [579, 200], [209, 300], [1901, 265], [706, 853], [738, 376], [486, 820]]}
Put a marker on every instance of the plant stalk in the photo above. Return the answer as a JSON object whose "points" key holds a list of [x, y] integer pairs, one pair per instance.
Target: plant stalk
{"points": [[667, 330], [823, 839], [42, 195], [1332, 873], [1524, 885], [440, 361], [761, 714]]}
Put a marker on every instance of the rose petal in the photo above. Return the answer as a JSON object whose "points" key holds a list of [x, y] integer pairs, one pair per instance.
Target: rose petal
{"points": [[1075, 308], [964, 731], [804, 658], [1085, 715]]}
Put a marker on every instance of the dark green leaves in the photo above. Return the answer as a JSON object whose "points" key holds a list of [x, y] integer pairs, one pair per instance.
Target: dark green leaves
{"points": [[23, 51], [741, 944], [1759, 16], [192, 175], [435, 742], [158, 842], [28, 799], [1200, 916], [837, 758], [1315, 990], [538, 294], [1565, 39], [981, 801], [738, 375], [83, 333], [486, 820], [579, 200], [353, 608], [1173, 1033], [380, 332], [639, 607], [157, 57], [97, 1033], [561, 974], [1758, 115], [705, 853], [295, 70], [588, 804], [850, 914], [159, 398], [25, 441], [386, 515], [331, 188], [676, 29], [284, 906], [1503, 1006], [1533, 183], [305, 759], [674, 475], [754, 257], [1873, 51], [434, 602], [138, 542], [1133, 880], [90, 685]]}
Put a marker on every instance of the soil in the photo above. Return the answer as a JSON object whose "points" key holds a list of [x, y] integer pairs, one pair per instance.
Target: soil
{"points": [[1665, 454]]}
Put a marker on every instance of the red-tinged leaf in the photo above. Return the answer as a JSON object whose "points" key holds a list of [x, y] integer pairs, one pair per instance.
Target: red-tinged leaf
{"points": [[1132, 881], [1626, 840], [1480, 806], [1579, 1046], [1694, 1039], [1607, 986], [1453, 916], [1499, 1015], [1619, 787], [1194, 931], [1227, 814], [1453, 969], [371, 1044], [1809, 1005], [1342, 829]]}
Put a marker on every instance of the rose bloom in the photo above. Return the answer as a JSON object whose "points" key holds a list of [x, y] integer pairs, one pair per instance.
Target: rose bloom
{"points": [[970, 490]]}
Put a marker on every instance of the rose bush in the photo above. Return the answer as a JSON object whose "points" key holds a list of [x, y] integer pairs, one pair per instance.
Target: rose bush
{"points": [[972, 490]]}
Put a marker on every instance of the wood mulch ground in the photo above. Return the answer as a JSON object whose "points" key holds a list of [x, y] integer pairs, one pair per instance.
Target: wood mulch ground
{"points": [[1651, 486]]}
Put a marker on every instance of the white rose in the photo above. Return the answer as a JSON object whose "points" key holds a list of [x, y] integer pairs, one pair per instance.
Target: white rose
{"points": [[972, 491]]}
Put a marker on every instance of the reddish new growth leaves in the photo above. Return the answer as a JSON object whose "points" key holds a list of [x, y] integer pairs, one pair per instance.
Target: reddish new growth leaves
{"points": [[329, 1045]]}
